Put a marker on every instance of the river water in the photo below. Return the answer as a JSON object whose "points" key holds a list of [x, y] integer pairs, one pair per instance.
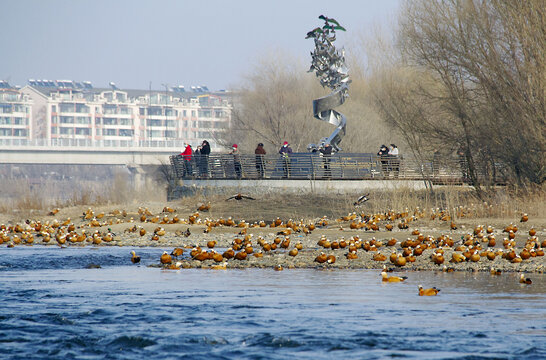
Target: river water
{"points": [[53, 307]]}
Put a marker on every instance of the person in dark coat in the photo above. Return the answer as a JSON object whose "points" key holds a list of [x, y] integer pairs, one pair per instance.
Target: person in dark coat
{"points": [[260, 152], [204, 151], [383, 154], [326, 152], [285, 150], [236, 161]]}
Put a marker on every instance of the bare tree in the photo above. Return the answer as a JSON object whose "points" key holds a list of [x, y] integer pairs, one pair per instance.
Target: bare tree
{"points": [[489, 57]]}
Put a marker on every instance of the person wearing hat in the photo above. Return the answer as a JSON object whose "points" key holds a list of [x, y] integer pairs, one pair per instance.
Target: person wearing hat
{"points": [[260, 152], [284, 151], [236, 161]]}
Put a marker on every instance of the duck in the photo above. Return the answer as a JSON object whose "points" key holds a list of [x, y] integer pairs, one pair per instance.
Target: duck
{"points": [[222, 266], [229, 253], [379, 257], [204, 207], [331, 259], [457, 257], [351, 255], [211, 244], [386, 278], [240, 196], [428, 292], [321, 258], [166, 258], [494, 271], [524, 280], [176, 266], [134, 258], [293, 252], [241, 255], [177, 252], [201, 256], [217, 257], [278, 267]]}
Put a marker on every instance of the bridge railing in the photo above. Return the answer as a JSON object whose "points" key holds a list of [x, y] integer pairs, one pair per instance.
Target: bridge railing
{"points": [[340, 166]]}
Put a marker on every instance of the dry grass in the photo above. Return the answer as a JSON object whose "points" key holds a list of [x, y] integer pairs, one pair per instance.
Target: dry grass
{"points": [[505, 204], [22, 199]]}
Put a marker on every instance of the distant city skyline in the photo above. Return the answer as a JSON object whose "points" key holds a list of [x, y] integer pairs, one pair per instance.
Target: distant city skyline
{"points": [[165, 42]]}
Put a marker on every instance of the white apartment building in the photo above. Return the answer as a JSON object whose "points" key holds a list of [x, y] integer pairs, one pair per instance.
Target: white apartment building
{"points": [[15, 113], [69, 113]]}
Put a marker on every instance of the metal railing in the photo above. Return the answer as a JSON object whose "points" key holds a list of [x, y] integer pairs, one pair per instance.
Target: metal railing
{"points": [[304, 166]]}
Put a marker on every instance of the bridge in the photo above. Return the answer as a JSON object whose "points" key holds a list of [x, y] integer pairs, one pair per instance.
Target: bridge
{"points": [[139, 159], [75, 152]]}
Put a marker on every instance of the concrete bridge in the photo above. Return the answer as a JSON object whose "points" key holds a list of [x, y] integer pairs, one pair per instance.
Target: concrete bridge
{"points": [[139, 161], [60, 155]]}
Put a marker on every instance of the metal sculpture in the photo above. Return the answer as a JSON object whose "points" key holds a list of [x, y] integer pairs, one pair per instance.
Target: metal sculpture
{"points": [[329, 65]]}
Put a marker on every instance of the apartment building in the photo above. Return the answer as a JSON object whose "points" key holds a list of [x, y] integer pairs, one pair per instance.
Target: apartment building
{"points": [[63, 111], [15, 113]]}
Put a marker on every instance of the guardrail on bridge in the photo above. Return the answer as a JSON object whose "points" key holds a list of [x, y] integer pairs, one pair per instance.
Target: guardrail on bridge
{"points": [[298, 166]]}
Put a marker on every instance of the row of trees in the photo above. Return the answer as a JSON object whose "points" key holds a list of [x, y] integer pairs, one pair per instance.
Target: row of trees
{"points": [[459, 75]]}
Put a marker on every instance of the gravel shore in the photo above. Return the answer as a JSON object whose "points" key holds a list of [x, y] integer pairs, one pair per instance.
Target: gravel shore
{"points": [[188, 233]]}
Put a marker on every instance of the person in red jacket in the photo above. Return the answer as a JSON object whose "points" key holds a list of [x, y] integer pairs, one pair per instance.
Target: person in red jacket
{"points": [[186, 154]]}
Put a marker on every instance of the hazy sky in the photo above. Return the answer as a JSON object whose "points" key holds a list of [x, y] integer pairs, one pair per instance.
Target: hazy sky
{"points": [[135, 42]]}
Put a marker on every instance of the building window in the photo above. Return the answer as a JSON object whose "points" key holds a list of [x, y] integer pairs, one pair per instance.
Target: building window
{"points": [[109, 121], [67, 120], [204, 113], [126, 132], [109, 132], [83, 120], [66, 131], [155, 134], [83, 131]]}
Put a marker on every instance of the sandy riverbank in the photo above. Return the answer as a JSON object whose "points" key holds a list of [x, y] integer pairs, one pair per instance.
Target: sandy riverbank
{"points": [[424, 227]]}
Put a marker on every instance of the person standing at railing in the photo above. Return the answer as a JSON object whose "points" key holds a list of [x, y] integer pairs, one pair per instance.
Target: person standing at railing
{"points": [[326, 153], [383, 154], [260, 152], [394, 159], [204, 151], [186, 154], [285, 150], [236, 161]]}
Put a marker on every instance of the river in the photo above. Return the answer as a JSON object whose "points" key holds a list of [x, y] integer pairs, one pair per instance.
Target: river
{"points": [[54, 307]]}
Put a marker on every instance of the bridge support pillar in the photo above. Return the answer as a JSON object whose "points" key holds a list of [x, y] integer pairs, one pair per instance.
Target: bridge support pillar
{"points": [[138, 174]]}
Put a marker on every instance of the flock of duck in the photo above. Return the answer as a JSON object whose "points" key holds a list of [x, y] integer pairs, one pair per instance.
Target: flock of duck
{"points": [[445, 251]]}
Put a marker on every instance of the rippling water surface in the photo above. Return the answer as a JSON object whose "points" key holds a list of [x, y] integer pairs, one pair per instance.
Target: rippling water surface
{"points": [[54, 307]]}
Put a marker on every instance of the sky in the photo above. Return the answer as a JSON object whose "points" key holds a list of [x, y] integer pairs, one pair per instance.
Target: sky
{"points": [[135, 43]]}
